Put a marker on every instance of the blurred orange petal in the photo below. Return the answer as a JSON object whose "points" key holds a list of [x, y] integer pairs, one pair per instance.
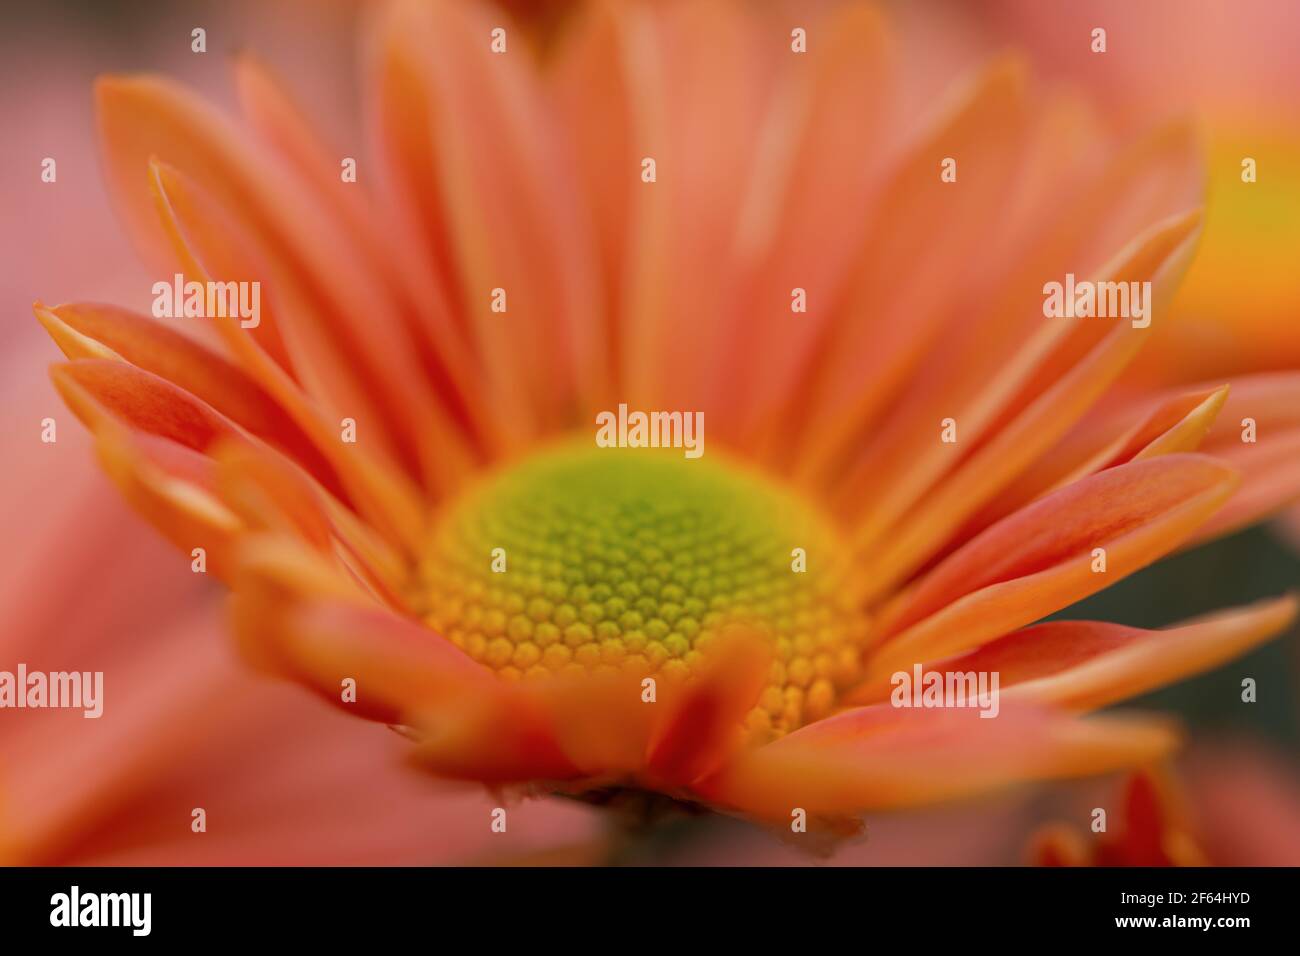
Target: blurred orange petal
{"points": [[1086, 665], [881, 757]]}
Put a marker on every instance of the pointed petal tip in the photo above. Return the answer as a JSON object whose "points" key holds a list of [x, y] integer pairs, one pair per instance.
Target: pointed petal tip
{"points": [[47, 317], [71, 340], [113, 91], [116, 84], [1272, 614]]}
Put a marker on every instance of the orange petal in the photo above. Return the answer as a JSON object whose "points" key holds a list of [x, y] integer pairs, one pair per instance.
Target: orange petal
{"points": [[283, 125], [109, 394], [595, 109], [1167, 424], [1270, 466], [401, 668], [703, 723], [925, 232], [600, 722], [269, 494], [102, 331], [174, 489], [1160, 257], [598, 728], [683, 224], [1086, 665], [313, 264], [1040, 559], [1270, 482], [316, 357], [996, 362], [502, 181], [298, 614], [494, 738], [381, 493], [809, 166], [94, 388], [325, 357], [1177, 423], [876, 758]]}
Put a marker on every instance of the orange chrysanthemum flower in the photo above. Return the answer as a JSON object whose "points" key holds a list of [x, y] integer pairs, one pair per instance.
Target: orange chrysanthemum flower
{"points": [[676, 210]]}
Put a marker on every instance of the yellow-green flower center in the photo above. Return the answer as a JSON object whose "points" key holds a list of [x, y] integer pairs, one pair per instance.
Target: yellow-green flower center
{"points": [[584, 558]]}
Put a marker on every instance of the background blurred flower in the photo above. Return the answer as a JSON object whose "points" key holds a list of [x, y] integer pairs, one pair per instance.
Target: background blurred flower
{"points": [[1232, 67], [1231, 804], [1147, 828]]}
